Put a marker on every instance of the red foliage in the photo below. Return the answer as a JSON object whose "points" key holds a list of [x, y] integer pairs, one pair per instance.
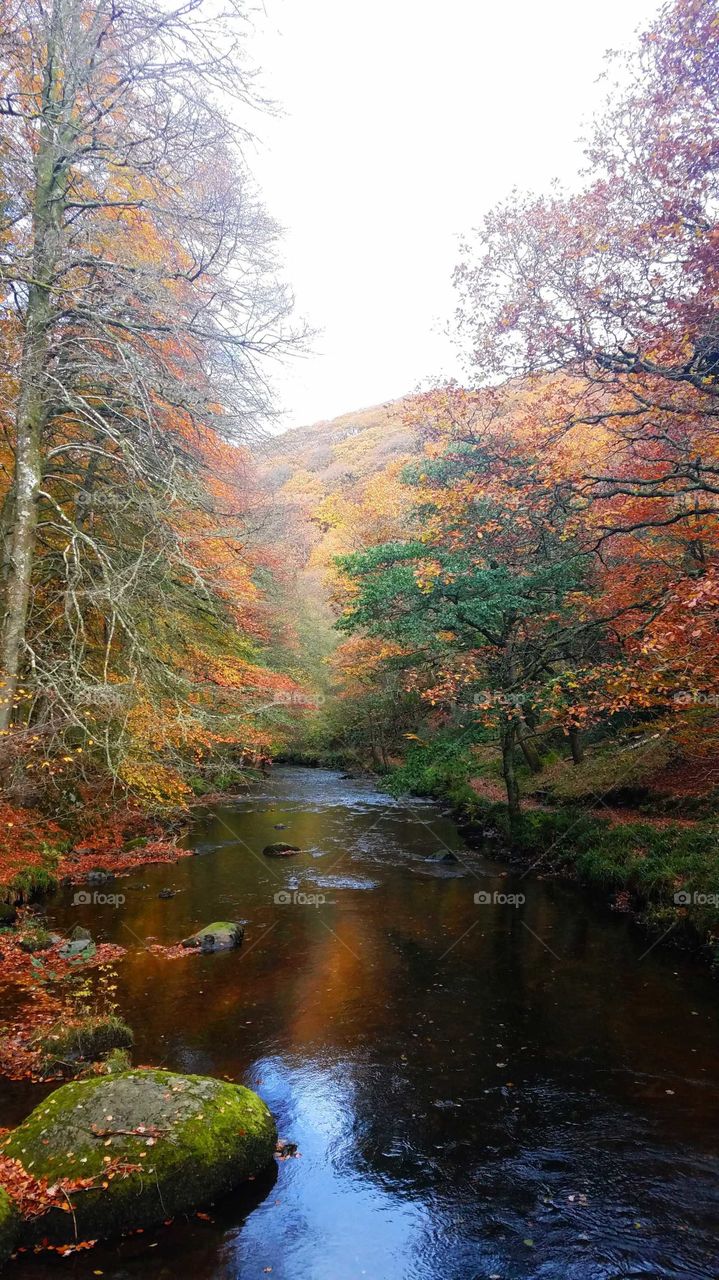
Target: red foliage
{"points": [[44, 1002], [174, 952], [22, 835], [105, 857]]}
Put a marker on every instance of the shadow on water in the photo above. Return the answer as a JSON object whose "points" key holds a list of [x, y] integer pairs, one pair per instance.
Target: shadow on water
{"points": [[492, 1088]]}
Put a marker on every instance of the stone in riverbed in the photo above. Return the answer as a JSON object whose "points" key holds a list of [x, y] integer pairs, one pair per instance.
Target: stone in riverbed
{"points": [[99, 875], [9, 1226], [223, 935], [78, 946], [191, 1138], [281, 850]]}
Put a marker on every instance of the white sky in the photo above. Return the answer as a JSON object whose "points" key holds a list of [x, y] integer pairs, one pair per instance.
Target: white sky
{"points": [[404, 120]]}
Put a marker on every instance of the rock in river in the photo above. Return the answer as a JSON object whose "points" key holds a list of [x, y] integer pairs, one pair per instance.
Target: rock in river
{"points": [[154, 1143], [223, 935], [281, 849]]}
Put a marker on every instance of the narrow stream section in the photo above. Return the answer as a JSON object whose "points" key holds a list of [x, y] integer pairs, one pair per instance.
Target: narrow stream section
{"points": [[485, 1076]]}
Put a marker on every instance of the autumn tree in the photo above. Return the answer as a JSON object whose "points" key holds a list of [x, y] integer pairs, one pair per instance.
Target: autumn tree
{"points": [[140, 301], [614, 288], [481, 598]]}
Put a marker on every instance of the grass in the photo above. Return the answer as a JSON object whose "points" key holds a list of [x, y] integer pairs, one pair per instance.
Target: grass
{"points": [[30, 883], [612, 768], [90, 1039]]}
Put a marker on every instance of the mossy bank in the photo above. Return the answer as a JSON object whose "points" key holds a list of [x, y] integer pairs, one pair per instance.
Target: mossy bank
{"points": [[666, 873], [9, 1226]]}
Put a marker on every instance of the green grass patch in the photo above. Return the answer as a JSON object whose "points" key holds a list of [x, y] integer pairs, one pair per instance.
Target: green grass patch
{"points": [[89, 1039]]}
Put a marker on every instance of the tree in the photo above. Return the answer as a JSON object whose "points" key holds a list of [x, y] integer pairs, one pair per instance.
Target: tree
{"points": [[613, 289], [140, 302], [617, 284], [485, 601]]}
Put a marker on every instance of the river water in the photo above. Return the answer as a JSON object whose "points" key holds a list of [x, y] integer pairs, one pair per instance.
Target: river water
{"points": [[477, 1089]]}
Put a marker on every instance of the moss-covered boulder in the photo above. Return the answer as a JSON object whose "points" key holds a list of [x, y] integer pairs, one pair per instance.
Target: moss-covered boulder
{"points": [[223, 935], [9, 1226], [156, 1143]]}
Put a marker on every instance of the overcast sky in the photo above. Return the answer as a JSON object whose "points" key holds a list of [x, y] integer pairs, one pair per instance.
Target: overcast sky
{"points": [[403, 122]]}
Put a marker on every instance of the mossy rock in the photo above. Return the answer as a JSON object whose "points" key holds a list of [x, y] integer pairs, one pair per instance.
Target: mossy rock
{"points": [[193, 1137], [223, 935], [77, 948], [9, 1226], [280, 849]]}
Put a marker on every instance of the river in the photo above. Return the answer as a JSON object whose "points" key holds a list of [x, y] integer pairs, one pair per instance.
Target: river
{"points": [[509, 1087]]}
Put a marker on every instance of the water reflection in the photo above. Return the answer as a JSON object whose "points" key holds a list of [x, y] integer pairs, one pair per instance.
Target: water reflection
{"points": [[476, 1089]]}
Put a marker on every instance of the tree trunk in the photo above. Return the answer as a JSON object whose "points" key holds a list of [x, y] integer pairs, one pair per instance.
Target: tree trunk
{"points": [[7, 524], [33, 400], [575, 744], [507, 738], [529, 751]]}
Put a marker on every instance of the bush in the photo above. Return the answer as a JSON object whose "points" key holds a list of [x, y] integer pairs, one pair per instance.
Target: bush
{"points": [[439, 768]]}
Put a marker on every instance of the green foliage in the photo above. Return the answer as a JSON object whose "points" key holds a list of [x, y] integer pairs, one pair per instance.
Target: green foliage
{"points": [[31, 883], [440, 767], [89, 1039]]}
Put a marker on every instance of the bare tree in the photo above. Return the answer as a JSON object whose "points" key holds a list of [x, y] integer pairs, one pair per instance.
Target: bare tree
{"points": [[140, 294]]}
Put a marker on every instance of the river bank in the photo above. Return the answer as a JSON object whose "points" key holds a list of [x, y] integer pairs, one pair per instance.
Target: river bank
{"points": [[663, 872]]}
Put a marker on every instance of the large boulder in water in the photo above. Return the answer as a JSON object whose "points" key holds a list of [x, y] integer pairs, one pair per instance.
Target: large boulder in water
{"points": [[223, 935], [155, 1144], [9, 1226]]}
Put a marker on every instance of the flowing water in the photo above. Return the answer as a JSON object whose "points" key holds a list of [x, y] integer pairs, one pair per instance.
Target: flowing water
{"points": [[477, 1088]]}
